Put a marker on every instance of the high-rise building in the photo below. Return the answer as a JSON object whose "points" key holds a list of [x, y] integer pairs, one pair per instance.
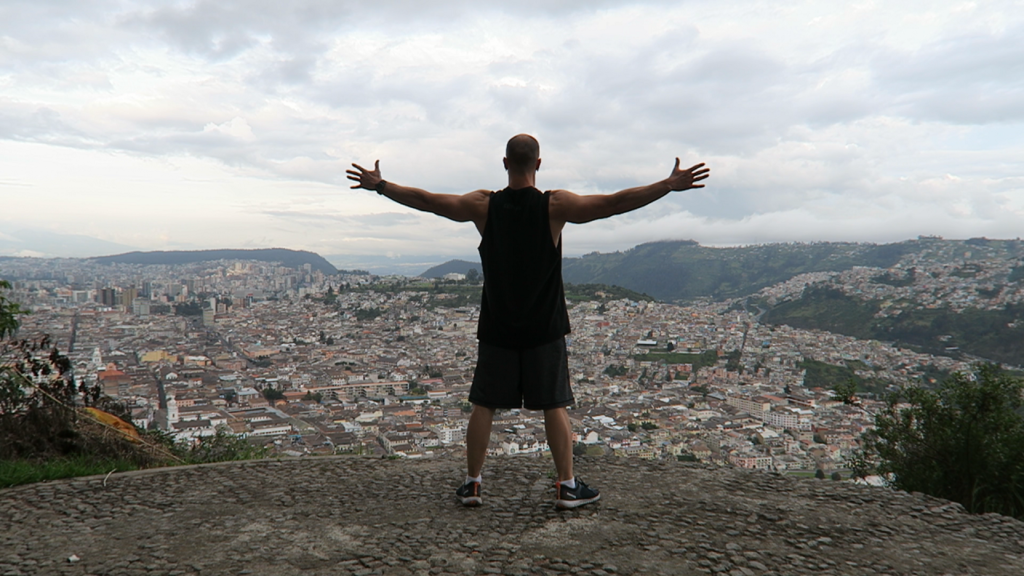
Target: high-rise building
{"points": [[128, 296], [107, 296]]}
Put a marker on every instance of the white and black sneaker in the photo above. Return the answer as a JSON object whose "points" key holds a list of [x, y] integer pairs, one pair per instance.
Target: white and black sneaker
{"points": [[575, 497], [469, 494]]}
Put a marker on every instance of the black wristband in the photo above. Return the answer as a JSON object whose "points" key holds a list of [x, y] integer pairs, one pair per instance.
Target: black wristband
{"points": [[380, 186]]}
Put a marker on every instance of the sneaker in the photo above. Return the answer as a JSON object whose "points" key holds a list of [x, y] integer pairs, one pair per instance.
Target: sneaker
{"points": [[469, 494], [576, 497]]}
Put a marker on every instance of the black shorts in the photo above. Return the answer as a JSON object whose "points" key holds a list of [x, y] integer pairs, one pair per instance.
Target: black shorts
{"points": [[534, 378]]}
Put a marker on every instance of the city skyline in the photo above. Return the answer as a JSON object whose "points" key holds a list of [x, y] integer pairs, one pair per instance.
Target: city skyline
{"points": [[228, 125]]}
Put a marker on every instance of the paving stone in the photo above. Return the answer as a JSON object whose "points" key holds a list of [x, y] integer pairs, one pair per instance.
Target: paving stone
{"points": [[315, 516]]}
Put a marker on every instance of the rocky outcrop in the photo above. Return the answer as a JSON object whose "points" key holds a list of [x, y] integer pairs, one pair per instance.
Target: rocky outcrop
{"points": [[350, 515]]}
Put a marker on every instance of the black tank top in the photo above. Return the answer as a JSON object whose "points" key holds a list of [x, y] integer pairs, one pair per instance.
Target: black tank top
{"points": [[523, 304]]}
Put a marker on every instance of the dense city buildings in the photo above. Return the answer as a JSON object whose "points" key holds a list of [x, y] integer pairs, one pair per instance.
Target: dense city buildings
{"points": [[310, 363]]}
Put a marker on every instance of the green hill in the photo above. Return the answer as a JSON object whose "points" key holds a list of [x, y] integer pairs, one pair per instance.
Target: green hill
{"points": [[684, 270], [288, 258], [451, 266]]}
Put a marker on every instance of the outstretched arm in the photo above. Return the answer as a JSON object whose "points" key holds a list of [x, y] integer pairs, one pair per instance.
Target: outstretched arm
{"points": [[565, 206], [470, 207]]}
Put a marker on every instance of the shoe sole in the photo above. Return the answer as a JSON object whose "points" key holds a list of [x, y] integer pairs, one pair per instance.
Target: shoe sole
{"points": [[472, 501], [569, 504]]}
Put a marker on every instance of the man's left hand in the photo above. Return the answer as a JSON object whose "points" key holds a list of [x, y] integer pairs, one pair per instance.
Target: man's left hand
{"points": [[365, 178]]}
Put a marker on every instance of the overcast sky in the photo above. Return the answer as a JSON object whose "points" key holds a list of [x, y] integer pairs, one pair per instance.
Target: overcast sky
{"points": [[222, 123]]}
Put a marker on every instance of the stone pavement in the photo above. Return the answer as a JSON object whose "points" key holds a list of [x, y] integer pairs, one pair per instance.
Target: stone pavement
{"points": [[360, 516]]}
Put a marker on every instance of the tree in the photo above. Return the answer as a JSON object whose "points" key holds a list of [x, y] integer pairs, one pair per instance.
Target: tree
{"points": [[40, 402], [473, 276], [272, 394], [962, 441], [819, 474], [732, 363], [845, 392], [615, 370], [9, 312], [837, 476]]}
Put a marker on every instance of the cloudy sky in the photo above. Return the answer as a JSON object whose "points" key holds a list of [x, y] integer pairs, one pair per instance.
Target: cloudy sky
{"points": [[223, 123]]}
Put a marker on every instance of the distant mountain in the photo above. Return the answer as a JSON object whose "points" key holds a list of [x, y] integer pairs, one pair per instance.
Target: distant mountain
{"points": [[388, 263], [289, 258], [456, 266], [911, 304], [44, 244], [683, 270]]}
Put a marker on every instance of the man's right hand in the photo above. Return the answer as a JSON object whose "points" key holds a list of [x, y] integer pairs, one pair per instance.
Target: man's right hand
{"points": [[369, 178], [686, 179]]}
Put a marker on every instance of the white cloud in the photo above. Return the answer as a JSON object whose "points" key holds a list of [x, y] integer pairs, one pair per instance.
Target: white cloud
{"points": [[821, 121]]}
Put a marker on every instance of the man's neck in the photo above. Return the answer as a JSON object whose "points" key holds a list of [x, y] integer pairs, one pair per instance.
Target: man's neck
{"points": [[522, 180]]}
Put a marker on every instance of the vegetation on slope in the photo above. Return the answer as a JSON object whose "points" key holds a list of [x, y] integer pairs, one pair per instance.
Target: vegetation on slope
{"points": [[992, 334], [45, 433], [830, 376]]}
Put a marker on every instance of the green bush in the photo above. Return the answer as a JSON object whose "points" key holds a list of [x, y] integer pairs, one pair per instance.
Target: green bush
{"points": [[963, 441], [221, 447]]}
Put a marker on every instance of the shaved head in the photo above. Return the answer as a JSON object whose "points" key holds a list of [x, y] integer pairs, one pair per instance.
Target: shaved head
{"points": [[522, 152]]}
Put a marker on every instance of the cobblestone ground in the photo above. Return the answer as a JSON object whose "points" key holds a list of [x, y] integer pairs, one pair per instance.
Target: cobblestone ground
{"points": [[358, 516]]}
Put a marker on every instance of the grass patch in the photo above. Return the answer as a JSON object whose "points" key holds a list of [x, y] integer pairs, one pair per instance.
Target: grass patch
{"points": [[17, 472]]}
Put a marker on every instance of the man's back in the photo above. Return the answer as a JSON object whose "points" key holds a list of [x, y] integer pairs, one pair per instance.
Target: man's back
{"points": [[522, 359], [523, 302]]}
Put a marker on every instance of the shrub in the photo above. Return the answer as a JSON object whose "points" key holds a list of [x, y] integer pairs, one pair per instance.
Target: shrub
{"points": [[220, 447], [963, 441], [45, 433]]}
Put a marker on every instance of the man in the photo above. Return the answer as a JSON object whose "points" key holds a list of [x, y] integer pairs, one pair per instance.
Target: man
{"points": [[522, 359]]}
